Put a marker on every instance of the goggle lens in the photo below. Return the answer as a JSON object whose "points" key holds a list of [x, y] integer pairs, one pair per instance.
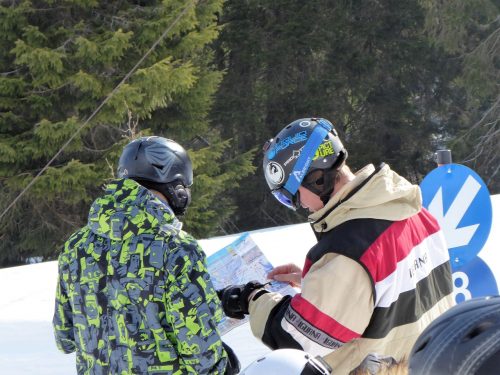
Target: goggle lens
{"points": [[285, 198]]}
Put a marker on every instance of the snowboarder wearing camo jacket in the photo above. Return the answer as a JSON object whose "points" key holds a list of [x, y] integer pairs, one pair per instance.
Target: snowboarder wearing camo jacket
{"points": [[134, 295], [380, 272]]}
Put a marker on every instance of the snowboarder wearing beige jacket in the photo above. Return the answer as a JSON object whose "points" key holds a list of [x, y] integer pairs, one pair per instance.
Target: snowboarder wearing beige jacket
{"points": [[379, 273]]}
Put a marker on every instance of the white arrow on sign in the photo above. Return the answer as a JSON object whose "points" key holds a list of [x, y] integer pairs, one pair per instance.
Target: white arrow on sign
{"points": [[456, 237]]}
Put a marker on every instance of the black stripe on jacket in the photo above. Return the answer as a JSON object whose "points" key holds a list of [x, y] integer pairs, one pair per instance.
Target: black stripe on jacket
{"points": [[350, 239], [431, 290], [275, 337]]}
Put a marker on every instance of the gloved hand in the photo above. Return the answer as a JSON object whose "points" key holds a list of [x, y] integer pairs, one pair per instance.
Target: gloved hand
{"points": [[233, 364], [234, 298]]}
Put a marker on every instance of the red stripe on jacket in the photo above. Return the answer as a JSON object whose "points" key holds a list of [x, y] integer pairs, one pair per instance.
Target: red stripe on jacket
{"points": [[401, 237], [321, 320], [307, 265]]}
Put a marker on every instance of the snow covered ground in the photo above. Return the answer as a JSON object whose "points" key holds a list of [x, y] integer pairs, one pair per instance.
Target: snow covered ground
{"points": [[27, 300]]}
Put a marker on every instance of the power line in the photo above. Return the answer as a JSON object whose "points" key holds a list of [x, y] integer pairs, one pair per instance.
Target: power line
{"points": [[110, 95]]}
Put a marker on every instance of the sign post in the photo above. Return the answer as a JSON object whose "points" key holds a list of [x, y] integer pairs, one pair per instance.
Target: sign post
{"points": [[460, 201]]}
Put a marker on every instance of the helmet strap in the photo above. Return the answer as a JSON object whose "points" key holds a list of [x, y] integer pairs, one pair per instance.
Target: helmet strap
{"points": [[177, 195], [323, 185], [329, 177]]}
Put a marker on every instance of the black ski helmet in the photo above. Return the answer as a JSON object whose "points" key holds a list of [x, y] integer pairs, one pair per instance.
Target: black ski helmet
{"points": [[303, 146], [465, 340], [161, 164]]}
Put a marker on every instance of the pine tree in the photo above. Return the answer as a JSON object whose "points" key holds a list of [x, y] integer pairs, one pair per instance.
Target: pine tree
{"points": [[365, 65], [469, 32], [58, 62]]}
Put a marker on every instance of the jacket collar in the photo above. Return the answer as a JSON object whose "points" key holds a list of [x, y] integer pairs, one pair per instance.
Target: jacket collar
{"points": [[377, 193]]}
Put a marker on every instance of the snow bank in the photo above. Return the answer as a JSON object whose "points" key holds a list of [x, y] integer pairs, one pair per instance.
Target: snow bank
{"points": [[27, 300], [27, 303]]}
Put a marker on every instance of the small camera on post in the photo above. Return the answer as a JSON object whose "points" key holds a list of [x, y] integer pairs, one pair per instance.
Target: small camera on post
{"points": [[443, 157]]}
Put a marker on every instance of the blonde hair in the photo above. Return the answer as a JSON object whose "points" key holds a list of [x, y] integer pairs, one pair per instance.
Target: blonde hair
{"points": [[400, 368]]}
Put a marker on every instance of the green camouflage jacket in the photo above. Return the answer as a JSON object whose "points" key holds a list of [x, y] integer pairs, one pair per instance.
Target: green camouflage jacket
{"points": [[134, 295]]}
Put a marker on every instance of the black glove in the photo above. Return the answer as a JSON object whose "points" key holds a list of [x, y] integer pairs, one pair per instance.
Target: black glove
{"points": [[233, 364], [234, 298]]}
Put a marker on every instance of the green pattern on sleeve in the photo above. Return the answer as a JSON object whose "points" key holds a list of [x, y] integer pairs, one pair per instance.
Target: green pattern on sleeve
{"points": [[134, 295]]}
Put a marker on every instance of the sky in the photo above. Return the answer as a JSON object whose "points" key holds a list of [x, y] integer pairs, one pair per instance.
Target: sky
{"points": [[27, 300]]}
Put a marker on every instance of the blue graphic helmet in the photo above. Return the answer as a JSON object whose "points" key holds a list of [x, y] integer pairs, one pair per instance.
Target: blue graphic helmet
{"points": [[161, 164], [302, 147]]}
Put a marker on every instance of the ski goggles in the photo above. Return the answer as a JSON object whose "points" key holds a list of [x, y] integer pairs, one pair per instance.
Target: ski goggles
{"points": [[288, 195], [286, 198]]}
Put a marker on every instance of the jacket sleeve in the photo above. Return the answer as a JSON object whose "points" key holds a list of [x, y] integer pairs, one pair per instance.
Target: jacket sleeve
{"points": [[193, 311], [334, 307], [63, 315]]}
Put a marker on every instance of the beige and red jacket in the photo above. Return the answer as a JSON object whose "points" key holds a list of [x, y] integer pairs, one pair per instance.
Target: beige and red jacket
{"points": [[377, 277]]}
